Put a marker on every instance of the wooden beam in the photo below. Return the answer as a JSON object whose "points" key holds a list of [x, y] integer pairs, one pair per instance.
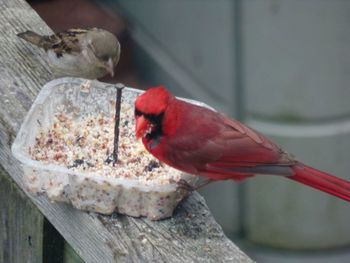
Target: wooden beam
{"points": [[191, 235], [21, 235]]}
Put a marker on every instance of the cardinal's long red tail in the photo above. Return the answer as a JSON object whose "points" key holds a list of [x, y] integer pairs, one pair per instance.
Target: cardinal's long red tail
{"points": [[321, 181]]}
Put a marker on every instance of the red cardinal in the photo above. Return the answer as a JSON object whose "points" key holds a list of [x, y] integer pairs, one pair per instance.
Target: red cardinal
{"points": [[202, 142]]}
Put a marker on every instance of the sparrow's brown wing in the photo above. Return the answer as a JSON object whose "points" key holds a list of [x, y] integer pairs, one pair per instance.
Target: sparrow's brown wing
{"points": [[68, 41]]}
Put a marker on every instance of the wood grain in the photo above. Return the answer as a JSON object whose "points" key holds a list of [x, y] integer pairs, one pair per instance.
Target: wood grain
{"points": [[192, 235], [21, 236]]}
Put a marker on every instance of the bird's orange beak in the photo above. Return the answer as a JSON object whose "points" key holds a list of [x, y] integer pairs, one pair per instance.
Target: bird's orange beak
{"points": [[141, 126]]}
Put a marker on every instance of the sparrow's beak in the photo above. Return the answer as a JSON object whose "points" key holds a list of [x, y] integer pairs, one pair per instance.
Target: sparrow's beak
{"points": [[141, 126], [109, 66]]}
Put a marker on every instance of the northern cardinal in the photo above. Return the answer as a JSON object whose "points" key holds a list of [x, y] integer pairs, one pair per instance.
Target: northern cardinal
{"points": [[203, 142]]}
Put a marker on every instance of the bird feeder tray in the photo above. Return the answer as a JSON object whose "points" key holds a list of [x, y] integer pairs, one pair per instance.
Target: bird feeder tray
{"points": [[65, 144]]}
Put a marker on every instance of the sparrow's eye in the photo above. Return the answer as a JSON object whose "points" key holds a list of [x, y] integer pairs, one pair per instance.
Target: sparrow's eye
{"points": [[104, 57]]}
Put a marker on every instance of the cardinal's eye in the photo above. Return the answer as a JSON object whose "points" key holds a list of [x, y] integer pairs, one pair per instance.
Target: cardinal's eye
{"points": [[157, 119], [137, 113]]}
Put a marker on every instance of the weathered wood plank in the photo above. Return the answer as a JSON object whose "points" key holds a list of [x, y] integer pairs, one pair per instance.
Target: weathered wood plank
{"points": [[20, 225], [191, 235]]}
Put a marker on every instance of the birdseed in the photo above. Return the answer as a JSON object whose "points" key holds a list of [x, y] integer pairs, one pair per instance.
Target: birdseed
{"points": [[85, 144]]}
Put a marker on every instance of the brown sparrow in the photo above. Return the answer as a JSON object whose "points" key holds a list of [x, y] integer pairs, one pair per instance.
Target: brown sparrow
{"points": [[85, 53]]}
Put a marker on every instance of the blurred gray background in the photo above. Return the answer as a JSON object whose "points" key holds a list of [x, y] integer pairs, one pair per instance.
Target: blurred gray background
{"points": [[280, 66]]}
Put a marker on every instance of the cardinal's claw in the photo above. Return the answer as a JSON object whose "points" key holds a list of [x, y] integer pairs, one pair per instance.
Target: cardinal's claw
{"points": [[183, 185], [204, 183]]}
